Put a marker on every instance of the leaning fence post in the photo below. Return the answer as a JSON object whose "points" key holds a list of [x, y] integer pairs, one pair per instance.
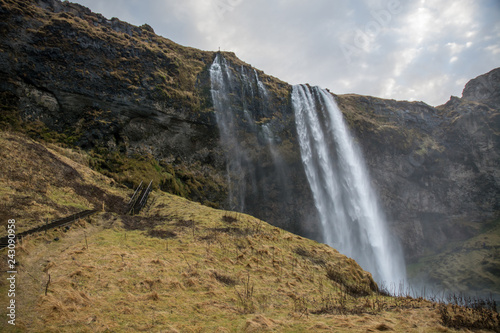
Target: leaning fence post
{"points": [[47, 286]]}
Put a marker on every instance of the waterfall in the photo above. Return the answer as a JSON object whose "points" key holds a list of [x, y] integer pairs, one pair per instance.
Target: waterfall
{"points": [[222, 87], [239, 97], [351, 218], [257, 175]]}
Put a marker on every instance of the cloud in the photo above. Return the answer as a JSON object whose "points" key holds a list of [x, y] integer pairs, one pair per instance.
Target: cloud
{"points": [[396, 49]]}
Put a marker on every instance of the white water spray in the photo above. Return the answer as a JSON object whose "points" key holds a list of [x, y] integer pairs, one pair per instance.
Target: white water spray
{"points": [[350, 216], [238, 95]]}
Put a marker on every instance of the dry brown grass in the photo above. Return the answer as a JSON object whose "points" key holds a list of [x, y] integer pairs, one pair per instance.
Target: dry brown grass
{"points": [[41, 182], [129, 281], [182, 267]]}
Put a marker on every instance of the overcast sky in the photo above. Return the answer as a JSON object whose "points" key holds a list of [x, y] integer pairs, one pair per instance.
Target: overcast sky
{"points": [[413, 50]]}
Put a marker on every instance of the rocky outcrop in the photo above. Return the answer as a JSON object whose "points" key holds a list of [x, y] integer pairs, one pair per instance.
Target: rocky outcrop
{"points": [[484, 89], [141, 103]]}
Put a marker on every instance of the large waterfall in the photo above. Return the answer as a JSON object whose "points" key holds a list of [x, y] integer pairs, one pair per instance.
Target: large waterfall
{"points": [[261, 182], [350, 216]]}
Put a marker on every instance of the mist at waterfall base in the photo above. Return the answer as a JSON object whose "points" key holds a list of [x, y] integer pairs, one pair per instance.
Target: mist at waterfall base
{"points": [[350, 218]]}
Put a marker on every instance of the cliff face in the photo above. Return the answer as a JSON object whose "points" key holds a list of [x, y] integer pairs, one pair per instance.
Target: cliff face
{"points": [[143, 107], [437, 169], [112, 87], [67, 62]]}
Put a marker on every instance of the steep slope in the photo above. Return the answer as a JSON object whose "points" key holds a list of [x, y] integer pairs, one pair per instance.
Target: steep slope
{"points": [[181, 266], [41, 183]]}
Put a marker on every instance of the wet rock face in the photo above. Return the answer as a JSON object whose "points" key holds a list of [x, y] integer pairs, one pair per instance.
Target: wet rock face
{"points": [[117, 86]]}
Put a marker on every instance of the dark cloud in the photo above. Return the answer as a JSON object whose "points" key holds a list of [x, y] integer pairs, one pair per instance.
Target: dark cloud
{"points": [[416, 50]]}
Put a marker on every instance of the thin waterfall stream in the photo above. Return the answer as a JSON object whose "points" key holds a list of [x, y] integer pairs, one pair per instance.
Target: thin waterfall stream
{"points": [[238, 94]]}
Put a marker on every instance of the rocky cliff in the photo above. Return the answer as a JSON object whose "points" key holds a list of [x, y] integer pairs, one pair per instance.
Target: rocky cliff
{"points": [[141, 105], [437, 169]]}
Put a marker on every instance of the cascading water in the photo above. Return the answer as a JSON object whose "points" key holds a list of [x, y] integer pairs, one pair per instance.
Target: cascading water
{"points": [[347, 206], [350, 216], [239, 96], [221, 80]]}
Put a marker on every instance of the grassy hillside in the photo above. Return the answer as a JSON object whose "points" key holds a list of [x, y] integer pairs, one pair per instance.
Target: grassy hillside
{"points": [[40, 182], [463, 266], [179, 266]]}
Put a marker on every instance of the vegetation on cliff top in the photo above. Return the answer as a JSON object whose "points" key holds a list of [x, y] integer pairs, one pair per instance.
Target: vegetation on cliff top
{"points": [[115, 55], [120, 58], [377, 123]]}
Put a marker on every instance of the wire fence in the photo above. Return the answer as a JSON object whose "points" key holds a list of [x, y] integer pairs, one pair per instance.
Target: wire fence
{"points": [[47, 226], [134, 206]]}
